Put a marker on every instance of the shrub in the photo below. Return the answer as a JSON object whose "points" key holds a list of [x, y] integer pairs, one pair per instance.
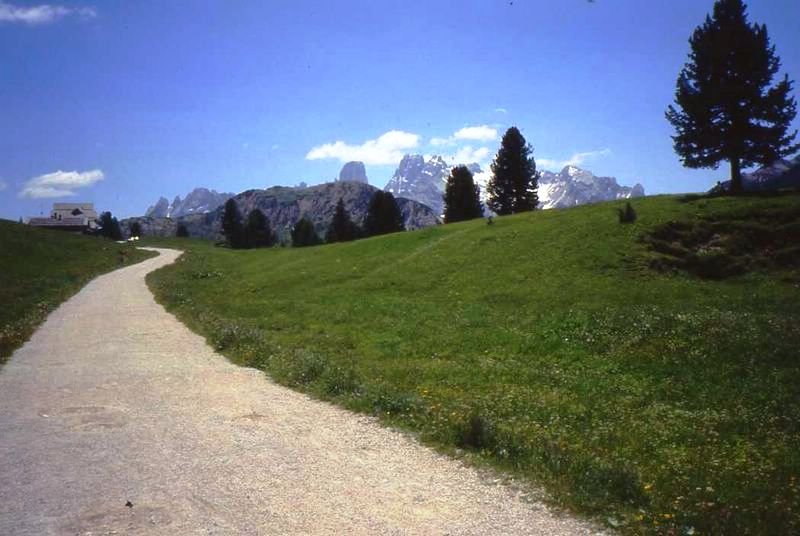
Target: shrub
{"points": [[477, 432], [627, 214]]}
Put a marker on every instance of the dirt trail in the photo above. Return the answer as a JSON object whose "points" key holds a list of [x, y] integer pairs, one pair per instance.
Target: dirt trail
{"points": [[114, 400]]}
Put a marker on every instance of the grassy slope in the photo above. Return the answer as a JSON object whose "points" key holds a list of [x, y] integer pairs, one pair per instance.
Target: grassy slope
{"points": [[41, 268], [543, 345]]}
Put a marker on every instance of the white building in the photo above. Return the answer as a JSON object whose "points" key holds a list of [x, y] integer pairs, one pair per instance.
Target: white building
{"points": [[77, 216]]}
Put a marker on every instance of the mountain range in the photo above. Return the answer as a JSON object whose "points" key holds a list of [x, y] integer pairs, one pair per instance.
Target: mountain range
{"points": [[284, 206], [782, 174], [424, 181], [198, 201]]}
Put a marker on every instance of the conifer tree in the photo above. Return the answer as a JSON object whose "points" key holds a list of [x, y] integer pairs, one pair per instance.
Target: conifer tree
{"points": [[136, 229], [257, 231], [182, 231], [727, 109], [383, 215], [462, 199], [304, 234], [342, 228], [232, 225], [109, 226], [514, 181]]}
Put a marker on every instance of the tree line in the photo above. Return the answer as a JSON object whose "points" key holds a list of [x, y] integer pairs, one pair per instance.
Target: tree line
{"points": [[383, 217]]}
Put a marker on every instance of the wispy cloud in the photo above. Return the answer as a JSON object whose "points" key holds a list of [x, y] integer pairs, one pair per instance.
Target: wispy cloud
{"points": [[3, 185], [60, 183], [501, 110], [42, 13], [388, 149], [577, 159], [481, 133]]}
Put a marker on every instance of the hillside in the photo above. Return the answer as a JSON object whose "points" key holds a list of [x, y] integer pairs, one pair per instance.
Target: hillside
{"points": [[41, 268], [544, 345]]}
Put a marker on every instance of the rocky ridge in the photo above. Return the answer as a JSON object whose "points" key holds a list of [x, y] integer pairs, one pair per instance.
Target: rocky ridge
{"points": [[283, 206]]}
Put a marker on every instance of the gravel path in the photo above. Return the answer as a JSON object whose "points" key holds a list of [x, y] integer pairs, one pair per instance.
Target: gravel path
{"points": [[114, 400]]}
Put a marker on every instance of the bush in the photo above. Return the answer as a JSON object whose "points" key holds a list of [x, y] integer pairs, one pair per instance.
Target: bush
{"points": [[627, 214], [477, 432]]}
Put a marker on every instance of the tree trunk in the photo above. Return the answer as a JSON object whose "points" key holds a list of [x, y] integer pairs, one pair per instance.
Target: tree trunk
{"points": [[736, 176]]}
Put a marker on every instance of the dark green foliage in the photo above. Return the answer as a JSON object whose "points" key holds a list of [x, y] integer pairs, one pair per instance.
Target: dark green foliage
{"points": [[476, 432], [383, 215], [342, 228], [461, 196], [136, 229], [727, 109], [109, 226], [232, 225], [257, 231], [514, 181], [304, 234], [627, 214], [182, 231], [728, 245]]}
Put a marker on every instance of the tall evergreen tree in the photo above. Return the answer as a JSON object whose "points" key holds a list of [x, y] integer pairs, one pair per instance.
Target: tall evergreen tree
{"points": [[383, 215], [182, 231], [727, 108], [257, 231], [136, 229], [462, 197], [342, 228], [514, 181], [304, 234], [109, 226], [232, 225]]}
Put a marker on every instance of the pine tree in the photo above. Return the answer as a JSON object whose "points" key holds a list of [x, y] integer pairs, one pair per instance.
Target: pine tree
{"points": [[257, 231], [136, 229], [109, 226], [728, 110], [342, 228], [462, 197], [514, 181], [182, 231], [232, 225], [383, 215], [304, 234]]}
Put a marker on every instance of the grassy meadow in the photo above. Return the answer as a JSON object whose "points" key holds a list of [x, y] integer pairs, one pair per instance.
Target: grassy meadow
{"points": [[40, 268], [561, 347]]}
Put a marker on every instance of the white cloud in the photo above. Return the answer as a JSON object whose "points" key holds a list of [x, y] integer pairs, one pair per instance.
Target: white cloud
{"points": [[41, 14], [3, 185], [479, 133], [576, 159], [388, 149], [476, 133], [468, 155], [60, 183], [501, 110]]}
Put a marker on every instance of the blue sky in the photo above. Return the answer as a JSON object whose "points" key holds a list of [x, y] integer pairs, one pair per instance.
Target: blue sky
{"points": [[120, 102]]}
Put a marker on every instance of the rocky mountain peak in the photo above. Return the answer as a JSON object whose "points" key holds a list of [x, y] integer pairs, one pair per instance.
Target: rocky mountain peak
{"points": [[353, 172], [575, 186], [199, 200], [423, 181]]}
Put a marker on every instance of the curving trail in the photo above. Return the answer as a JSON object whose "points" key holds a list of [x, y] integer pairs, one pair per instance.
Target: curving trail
{"points": [[114, 400]]}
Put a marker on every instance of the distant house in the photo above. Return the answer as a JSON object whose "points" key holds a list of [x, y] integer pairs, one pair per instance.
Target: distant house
{"points": [[69, 216]]}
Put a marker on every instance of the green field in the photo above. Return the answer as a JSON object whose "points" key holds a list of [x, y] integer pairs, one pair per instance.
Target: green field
{"points": [[546, 345], [41, 268]]}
